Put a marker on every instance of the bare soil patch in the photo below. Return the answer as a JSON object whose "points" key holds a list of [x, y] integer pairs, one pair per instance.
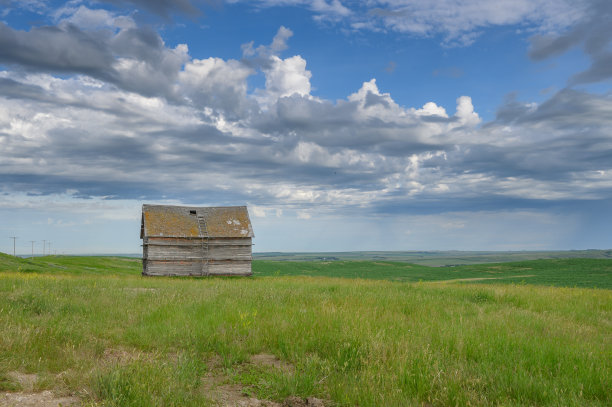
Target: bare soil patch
{"points": [[44, 398], [298, 402], [225, 394], [29, 398], [231, 395]]}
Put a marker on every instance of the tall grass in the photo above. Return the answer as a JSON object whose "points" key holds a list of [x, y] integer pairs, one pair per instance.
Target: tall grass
{"points": [[355, 342]]}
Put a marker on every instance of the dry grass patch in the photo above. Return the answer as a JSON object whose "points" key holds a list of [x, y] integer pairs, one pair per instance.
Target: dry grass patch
{"points": [[123, 356], [269, 360]]}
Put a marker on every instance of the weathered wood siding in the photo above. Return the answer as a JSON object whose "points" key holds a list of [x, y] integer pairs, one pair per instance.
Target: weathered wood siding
{"points": [[196, 256]]}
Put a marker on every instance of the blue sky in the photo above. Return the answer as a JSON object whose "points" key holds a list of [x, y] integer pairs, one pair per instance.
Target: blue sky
{"points": [[343, 125]]}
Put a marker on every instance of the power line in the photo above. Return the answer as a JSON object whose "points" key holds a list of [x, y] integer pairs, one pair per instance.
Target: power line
{"points": [[44, 244], [32, 241], [14, 240]]}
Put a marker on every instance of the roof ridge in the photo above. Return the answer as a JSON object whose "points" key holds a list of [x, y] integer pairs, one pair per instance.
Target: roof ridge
{"points": [[197, 207]]}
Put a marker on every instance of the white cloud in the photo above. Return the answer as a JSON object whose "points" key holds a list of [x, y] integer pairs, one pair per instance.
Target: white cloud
{"points": [[279, 42], [459, 23], [207, 136], [373, 103], [215, 83], [431, 109], [93, 19], [465, 112], [361, 152], [139, 120], [286, 77], [332, 10]]}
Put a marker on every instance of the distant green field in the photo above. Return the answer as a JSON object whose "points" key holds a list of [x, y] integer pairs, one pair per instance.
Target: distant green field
{"points": [[436, 258], [588, 273], [94, 329], [593, 273], [73, 265]]}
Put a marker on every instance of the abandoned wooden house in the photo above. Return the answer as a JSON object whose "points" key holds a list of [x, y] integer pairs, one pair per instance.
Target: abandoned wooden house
{"points": [[196, 241]]}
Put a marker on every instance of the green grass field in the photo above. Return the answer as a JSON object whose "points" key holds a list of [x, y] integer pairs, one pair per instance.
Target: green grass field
{"points": [[590, 273], [94, 329], [436, 258]]}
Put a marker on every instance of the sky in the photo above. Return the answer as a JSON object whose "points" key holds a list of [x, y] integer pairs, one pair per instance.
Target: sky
{"points": [[343, 125]]}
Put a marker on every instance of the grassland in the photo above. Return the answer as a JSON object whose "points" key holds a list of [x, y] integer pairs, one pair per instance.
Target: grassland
{"points": [[436, 258], [94, 328], [593, 273]]}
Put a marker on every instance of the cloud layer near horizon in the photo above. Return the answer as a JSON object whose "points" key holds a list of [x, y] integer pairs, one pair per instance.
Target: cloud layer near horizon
{"points": [[101, 107]]}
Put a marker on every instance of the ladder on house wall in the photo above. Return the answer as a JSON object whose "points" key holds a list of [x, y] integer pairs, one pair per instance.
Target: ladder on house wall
{"points": [[203, 228]]}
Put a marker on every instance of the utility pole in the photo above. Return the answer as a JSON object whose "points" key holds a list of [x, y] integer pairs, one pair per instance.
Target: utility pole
{"points": [[32, 241], [50, 248], [44, 244], [14, 239]]}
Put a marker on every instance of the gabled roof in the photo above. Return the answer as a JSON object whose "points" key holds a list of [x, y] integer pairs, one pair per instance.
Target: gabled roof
{"points": [[191, 221]]}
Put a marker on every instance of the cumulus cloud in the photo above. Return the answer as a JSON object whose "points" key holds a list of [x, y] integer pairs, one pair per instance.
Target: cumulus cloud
{"points": [[217, 84], [134, 119], [263, 52], [365, 151], [465, 112], [63, 49], [288, 76], [111, 49], [284, 77], [92, 19]]}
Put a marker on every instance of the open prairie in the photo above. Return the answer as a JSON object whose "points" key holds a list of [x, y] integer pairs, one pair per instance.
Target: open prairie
{"points": [[436, 258], [92, 331]]}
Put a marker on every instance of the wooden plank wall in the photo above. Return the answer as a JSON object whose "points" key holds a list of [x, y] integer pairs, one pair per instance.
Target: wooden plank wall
{"points": [[184, 256], [176, 268]]}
